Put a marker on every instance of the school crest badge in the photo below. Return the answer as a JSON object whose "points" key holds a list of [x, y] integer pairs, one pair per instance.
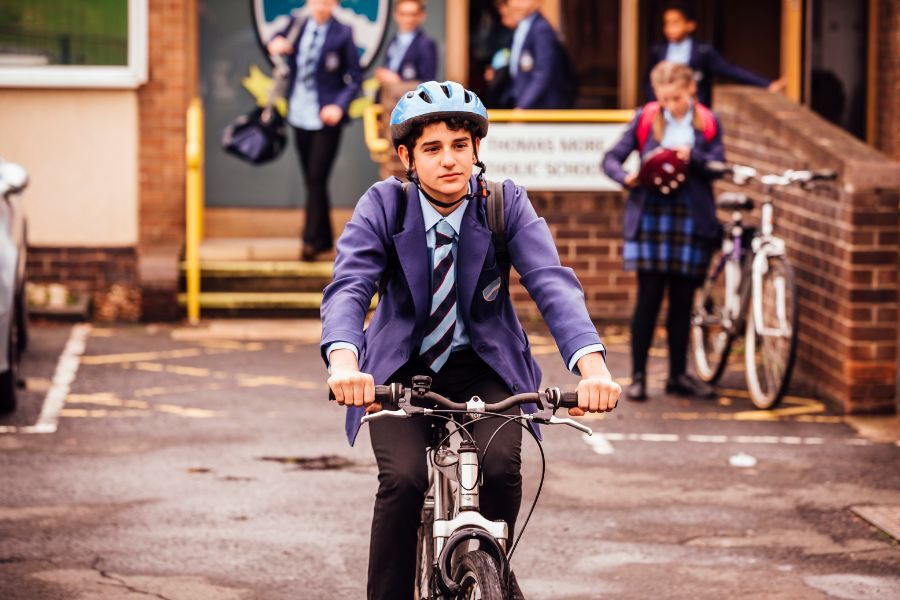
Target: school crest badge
{"points": [[368, 18]]}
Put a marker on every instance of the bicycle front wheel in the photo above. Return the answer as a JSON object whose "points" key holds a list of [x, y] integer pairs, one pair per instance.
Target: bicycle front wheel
{"points": [[425, 555], [478, 577], [771, 335], [710, 325]]}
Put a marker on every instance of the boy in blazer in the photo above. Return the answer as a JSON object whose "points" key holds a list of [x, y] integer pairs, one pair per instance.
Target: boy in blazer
{"points": [[444, 312], [411, 54], [535, 61], [679, 23], [324, 78]]}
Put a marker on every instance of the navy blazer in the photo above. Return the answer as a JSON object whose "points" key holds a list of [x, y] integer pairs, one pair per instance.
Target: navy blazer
{"points": [[338, 74], [706, 63], [699, 181], [371, 244], [537, 84], [419, 63]]}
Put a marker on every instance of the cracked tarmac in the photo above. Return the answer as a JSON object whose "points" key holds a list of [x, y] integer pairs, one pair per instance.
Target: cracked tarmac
{"points": [[177, 472]]}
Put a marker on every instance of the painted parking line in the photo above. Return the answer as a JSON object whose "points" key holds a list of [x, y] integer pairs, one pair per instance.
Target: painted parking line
{"points": [[600, 441], [66, 369]]}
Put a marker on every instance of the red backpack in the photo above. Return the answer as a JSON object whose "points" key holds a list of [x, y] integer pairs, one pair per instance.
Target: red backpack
{"points": [[651, 109]]}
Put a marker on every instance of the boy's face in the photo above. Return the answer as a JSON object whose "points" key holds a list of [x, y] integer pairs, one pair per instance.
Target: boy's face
{"points": [[443, 159], [408, 15], [676, 97], [321, 10], [676, 27]]}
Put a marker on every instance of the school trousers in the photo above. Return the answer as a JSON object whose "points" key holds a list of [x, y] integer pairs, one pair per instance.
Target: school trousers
{"points": [[399, 446], [652, 286], [317, 150]]}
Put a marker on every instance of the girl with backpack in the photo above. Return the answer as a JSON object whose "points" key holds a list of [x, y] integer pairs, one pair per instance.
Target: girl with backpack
{"points": [[670, 228]]}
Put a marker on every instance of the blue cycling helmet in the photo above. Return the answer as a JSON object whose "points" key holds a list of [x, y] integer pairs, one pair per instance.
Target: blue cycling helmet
{"points": [[448, 99]]}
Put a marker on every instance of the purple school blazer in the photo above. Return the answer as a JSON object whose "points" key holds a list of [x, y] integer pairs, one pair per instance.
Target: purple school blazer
{"points": [[397, 327]]}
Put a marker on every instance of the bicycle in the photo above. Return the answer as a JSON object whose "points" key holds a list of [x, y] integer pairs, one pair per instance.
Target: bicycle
{"points": [[460, 553], [750, 286]]}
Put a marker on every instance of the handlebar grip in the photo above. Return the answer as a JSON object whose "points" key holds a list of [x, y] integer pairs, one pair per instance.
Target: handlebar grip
{"points": [[824, 175], [716, 166], [382, 394], [568, 400]]}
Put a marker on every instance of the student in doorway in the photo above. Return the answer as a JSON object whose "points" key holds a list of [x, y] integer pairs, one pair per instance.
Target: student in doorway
{"points": [[668, 236], [411, 54], [679, 24], [536, 61], [325, 77]]}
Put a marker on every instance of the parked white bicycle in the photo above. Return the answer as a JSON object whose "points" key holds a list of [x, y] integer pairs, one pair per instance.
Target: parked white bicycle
{"points": [[750, 271]]}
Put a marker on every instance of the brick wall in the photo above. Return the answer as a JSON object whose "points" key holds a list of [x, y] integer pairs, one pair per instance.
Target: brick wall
{"points": [[887, 120], [162, 103], [843, 241]]}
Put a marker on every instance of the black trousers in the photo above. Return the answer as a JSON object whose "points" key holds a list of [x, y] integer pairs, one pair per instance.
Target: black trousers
{"points": [[651, 288], [317, 151], [399, 447]]}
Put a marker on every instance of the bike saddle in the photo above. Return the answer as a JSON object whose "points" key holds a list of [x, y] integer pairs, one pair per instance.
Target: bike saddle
{"points": [[734, 201]]}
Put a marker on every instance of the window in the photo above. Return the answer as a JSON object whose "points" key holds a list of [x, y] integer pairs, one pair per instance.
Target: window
{"points": [[64, 43]]}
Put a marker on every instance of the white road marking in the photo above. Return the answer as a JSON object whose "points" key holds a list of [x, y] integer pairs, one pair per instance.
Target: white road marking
{"points": [[598, 443], [66, 369]]}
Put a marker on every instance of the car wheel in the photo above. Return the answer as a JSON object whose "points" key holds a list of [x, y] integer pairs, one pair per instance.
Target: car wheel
{"points": [[10, 379]]}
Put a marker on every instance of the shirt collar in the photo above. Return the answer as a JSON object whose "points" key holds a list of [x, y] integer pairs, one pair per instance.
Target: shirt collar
{"points": [[406, 39], [432, 216], [527, 21], [688, 116], [317, 27], [683, 44]]}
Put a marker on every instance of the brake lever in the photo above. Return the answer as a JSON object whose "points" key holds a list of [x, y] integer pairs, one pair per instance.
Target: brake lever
{"points": [[382, 414], [552, 419]]}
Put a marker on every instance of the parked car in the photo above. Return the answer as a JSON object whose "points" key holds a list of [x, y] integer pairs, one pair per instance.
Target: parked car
{"points": [[13, 308]]}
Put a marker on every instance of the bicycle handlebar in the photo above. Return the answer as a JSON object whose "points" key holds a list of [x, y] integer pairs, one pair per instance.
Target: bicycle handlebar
{"points": [[391, 395], [741, 174]]}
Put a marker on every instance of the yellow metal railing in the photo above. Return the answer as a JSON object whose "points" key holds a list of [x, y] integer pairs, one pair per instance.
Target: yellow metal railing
{"points": [[193, 208], [380, 147]]}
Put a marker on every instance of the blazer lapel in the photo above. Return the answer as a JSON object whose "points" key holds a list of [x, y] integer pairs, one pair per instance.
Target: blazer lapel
{"points": [[327, 45], [474, 240], [412, 251]]}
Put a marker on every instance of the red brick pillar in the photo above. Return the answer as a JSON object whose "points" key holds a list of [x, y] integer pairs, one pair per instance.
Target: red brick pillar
{"points": [[842, 239], [173, 57]]}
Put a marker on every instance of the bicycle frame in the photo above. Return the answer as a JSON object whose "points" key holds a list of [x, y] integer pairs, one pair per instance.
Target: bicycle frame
{"points": [[765, 245]]}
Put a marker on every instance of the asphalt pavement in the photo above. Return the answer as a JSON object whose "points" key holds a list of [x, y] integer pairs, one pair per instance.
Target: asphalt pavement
{"points": [[164, 461]]}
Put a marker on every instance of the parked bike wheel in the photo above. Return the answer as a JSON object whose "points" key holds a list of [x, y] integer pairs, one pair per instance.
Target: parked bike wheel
{"points": [[710, 335], [425, 555], [478, 577], [771, 345]]}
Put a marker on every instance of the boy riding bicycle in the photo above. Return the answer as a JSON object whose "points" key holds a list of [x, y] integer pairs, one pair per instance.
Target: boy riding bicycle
{"points": [[444, 310]]}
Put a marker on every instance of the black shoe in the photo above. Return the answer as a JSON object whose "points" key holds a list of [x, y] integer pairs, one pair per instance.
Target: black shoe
{"points": [[515, 592], [308, 254], [685, 385], [637, 391]]}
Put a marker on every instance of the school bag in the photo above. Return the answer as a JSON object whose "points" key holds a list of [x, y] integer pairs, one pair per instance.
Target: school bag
{"points": [[651, 110], [496, 223]]}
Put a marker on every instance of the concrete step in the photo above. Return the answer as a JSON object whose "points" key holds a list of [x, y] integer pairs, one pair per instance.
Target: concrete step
{"points": [[262, 276], [254, 249]]}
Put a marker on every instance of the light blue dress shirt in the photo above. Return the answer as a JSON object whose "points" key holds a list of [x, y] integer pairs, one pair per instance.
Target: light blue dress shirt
{"points": [[398, 50], [460, 335], [679, 132], [304, 109], [518, 41], [680, 52]]}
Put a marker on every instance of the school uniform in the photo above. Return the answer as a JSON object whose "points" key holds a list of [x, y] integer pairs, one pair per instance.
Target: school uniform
{"points": [[487, 352], [706, 63], [324, 69], [536, 65], [668, 238], [412, 56]]}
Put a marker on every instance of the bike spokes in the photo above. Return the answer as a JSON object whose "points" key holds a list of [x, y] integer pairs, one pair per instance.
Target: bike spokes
{"points": [[711, 325]]}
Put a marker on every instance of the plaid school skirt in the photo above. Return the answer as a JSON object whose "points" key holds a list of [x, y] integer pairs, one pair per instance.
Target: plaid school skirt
{"points": [[666, 241]]}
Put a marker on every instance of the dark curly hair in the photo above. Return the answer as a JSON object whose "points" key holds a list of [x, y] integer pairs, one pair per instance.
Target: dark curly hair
{"points": [[454, 123]]}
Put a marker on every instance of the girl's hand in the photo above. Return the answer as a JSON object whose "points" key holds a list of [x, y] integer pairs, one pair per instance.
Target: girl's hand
{"points": [[684, 153], [631, 180]]}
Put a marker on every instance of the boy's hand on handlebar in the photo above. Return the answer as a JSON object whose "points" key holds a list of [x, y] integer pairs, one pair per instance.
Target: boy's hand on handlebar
{"points": [[596, 394], [350, 386]]}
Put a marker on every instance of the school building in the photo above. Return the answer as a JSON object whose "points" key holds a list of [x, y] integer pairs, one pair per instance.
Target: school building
{"points": [[94, 100]]}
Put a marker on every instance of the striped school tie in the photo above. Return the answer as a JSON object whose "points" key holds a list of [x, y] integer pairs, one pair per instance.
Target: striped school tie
{"points": [[435, 348], [308, 72]]}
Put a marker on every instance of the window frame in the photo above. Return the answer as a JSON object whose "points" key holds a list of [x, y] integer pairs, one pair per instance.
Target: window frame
{"points": [[129, 76]]}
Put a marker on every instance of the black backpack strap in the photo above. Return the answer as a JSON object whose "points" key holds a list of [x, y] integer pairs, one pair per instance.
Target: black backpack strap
{"points": [[497, 224]]}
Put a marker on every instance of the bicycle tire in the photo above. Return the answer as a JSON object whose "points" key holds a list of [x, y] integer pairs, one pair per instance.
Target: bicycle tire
{"points": [[768, 392], [710, 355], [425, 556], [478, 577]]}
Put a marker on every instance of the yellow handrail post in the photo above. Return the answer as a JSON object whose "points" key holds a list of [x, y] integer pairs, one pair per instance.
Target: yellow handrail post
{"points": [[193, 208]]}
